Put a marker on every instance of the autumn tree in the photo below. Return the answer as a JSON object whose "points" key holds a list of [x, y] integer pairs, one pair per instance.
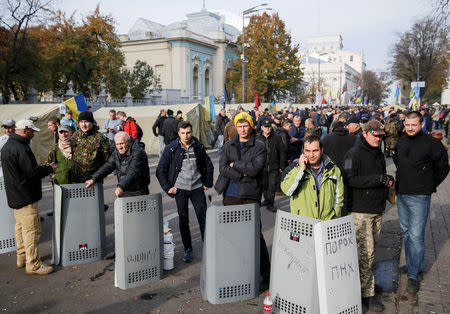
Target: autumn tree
{"points": [[272, 67], [19, 56], [140, 79], [423, 51], [86, 53], [375, 86]]}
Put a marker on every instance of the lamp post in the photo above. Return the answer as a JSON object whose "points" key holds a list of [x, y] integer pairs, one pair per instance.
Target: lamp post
{"points": [[318, 83], [244, 13]]}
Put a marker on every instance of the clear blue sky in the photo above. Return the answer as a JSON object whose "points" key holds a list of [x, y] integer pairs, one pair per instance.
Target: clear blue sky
{"points": [[367, 26]]}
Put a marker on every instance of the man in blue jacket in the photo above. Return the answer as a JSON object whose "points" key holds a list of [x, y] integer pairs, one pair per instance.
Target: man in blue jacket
{"points": [[185, 171]]}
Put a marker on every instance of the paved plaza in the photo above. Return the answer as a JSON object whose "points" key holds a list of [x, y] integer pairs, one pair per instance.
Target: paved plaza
{"points": [[90, 288]]}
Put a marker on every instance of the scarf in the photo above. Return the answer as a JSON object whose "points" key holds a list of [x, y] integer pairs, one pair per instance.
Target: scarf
{"points": [[65, 147]]}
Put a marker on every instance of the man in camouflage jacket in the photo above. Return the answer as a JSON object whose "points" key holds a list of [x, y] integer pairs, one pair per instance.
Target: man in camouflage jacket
{"points": [[91, 149]]}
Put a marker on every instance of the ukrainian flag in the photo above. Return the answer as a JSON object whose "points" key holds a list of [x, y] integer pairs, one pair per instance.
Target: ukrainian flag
{"points": [[77, 104], [274, 106], [210, 108]]}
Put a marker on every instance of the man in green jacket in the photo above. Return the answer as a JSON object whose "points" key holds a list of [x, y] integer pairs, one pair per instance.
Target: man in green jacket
{"points": [[314, 183]]}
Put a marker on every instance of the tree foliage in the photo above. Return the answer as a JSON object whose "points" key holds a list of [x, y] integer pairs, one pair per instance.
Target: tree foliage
{"points": [[424, 49], [375, 86], [273, 67], [19, 55], [140, 79]]}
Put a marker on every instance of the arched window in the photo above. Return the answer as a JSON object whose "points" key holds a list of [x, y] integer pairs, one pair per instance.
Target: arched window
{"points": [[195, 79], [206, 82]]}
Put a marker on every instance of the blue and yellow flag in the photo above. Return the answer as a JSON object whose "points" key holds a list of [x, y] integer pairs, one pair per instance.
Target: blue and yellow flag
{"points": [[274, 106], [210, 108], [77, 104]]}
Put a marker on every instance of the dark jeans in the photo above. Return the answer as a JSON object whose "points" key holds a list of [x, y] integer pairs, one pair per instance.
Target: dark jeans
{"points": [[198, 199], [264, 268], [271, 180]]}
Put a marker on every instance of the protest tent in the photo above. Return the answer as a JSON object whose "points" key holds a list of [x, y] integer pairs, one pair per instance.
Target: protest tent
{"points": [[146, 116], [43, 140]]}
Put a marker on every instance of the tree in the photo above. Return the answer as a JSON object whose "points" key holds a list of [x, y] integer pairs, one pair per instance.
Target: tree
{"points": [[86, 53], [139, 79], [423, 51], [19, 58], [375, 86], [272, 68]]}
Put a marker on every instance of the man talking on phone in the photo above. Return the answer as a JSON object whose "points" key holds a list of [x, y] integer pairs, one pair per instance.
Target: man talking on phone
{"points": [[314, 183]]}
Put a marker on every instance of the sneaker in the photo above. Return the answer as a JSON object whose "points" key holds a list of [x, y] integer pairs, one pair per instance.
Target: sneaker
{"points": [[265, 203], [271, 208], [42, 270], [373, 304], [413, 286], [187, 256]]}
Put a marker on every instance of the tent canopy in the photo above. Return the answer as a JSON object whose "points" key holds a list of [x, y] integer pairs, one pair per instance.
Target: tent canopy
{"points": [[43, 140]]}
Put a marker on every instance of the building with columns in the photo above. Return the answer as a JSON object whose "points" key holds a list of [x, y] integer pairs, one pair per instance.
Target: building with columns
{"points": [[190, 57], [325, 58]]}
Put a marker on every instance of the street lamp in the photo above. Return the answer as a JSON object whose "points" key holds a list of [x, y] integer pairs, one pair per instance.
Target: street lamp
{"points": [[318, 83], [244, 13]]}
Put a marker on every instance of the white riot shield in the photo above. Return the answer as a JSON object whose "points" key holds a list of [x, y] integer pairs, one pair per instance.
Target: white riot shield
{"points": [[7, 223], [293, 284], [230, 264], [138, 240], [337, 266]]}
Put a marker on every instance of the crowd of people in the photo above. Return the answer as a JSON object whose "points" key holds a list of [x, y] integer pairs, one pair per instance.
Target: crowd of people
{"points": [[328, 161]]}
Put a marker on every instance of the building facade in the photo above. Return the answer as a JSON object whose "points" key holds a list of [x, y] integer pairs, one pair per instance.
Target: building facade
{"points": [[325, 61], [190, 57]]}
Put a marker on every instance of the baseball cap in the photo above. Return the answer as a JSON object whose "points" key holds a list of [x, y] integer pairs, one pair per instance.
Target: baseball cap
{"points": [[26, 124], [375, 127], [352, 119], [266, 122], [8, 122], [243, 115], [64, 127]]}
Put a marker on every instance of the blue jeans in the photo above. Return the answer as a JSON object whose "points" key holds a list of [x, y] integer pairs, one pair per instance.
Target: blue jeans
{"points": [[324, 132], [413, 215], [220, 143]]}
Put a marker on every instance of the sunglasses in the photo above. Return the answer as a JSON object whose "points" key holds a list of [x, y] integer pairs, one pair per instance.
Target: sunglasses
{"points": [[376, 134], [60, 132]]}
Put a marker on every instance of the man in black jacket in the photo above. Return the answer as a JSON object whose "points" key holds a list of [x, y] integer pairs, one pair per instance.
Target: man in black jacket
{"points": [[275, 163], [130, 163], [169, 128], [240, 179], [338, 143], [422, 164], [185, 172], [221, 121], [159, 123], [23, 191], [365, 169]]}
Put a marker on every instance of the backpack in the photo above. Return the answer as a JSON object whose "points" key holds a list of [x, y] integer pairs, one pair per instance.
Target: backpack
{"points": [[139, 131]]}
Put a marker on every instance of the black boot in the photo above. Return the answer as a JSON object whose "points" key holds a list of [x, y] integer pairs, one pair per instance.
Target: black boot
{"points": [[373, 304]]}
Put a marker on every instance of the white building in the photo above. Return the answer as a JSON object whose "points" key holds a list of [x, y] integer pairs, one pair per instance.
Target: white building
{"points": [[324, 57], [445, 96], [190, 56]]}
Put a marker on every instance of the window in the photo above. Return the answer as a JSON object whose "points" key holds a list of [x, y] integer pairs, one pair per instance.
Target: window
{"points": [[195, 79], [207, 82], [351, 58]]}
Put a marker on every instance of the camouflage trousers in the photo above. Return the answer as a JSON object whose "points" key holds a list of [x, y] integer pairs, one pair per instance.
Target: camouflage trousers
{"points": [[389, 145], [368, 228]]}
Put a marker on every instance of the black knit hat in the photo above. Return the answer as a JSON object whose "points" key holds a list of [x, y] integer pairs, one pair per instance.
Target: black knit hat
{"points": [[87, 116]]}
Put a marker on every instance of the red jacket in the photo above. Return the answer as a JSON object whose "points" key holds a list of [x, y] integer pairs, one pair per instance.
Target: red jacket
{"points": [[130, 127]]}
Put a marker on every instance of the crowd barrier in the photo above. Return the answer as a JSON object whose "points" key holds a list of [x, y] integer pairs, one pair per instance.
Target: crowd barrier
{"points": [[7, 223], [138, 240], [293, 283], [231, 249], [314, 266], [337, 266], [79, 224]]}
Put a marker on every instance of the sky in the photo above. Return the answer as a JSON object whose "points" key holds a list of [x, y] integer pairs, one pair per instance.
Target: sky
{"points": [[365, 25]]}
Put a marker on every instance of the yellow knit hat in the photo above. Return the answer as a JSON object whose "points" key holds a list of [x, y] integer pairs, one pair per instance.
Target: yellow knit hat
{"points": [[245, 116]]}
